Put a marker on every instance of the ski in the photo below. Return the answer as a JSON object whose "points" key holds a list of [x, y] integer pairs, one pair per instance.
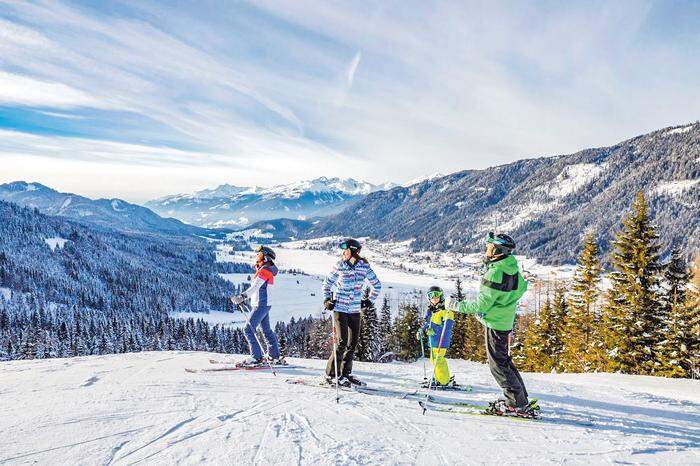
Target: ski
{"points": [[402, 394], [318, 384], [470, 409], [239, 368], [453, 388]]}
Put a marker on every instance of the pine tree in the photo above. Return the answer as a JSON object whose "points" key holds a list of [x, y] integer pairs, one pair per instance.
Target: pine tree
{"points": [[554, 344], [682, 341], [460, 346], [542, 339], [632, 313], [282, 340], [581, 346], [368, 345], [533, 357], [692, 300], [405, 328], [385, 327]]}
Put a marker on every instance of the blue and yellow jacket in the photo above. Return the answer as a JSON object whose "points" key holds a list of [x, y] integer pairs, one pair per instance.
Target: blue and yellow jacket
{"points": [[436, 317]]}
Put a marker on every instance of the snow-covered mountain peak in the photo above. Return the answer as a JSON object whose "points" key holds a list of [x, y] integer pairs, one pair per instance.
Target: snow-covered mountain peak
{"points": [[421, 179], [323, 184]]}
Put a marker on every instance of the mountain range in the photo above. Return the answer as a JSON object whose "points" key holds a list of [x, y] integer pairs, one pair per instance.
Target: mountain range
{"points": [[547, 204], [111, 213], [234, 206]]}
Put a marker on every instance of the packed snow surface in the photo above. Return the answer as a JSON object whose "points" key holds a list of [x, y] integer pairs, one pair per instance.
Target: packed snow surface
{"points": [[143, 408]]}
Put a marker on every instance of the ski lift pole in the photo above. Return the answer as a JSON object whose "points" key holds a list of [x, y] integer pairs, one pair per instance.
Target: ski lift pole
{"points": [[432, 379], [246, 310]]}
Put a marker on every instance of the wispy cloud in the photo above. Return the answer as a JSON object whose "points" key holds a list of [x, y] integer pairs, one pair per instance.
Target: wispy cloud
{"points": [[277, 89]]}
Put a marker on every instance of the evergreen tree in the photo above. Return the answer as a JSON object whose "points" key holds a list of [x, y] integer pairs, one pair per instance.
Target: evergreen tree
{"points": [[405, 328], [632, 315], [682, 344], [542, 343], [368, 342], [385, 327], [582, 350], [460, 346]]}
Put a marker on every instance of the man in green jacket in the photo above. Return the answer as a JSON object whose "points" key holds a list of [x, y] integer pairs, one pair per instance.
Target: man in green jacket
{"points": [[502, 286]]}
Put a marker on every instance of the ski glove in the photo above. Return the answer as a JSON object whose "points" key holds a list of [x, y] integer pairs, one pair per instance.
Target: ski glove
{"points": [[429, 331], [238, 299], [365, 304], [452, 304], [329, 304]]}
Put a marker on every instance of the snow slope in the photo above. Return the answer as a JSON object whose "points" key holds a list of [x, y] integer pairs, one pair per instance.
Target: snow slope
{"points": [[143, 408]]}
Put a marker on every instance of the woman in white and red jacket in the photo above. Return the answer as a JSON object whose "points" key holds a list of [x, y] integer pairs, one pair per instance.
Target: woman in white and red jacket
{"points": [[259, 294]]}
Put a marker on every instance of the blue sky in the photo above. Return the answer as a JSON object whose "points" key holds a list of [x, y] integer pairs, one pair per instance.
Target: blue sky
{"points": [[139, 99]]}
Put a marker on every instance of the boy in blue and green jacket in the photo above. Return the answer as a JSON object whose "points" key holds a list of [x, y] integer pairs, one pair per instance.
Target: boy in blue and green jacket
{"points": [[438, 324]]}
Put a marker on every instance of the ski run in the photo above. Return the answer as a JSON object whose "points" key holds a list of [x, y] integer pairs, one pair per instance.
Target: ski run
{"points": [[144, 408]]}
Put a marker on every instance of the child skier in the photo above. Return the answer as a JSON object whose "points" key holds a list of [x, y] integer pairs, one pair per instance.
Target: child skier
{"points": [[259, 295], [438, 319], [502, 286]]}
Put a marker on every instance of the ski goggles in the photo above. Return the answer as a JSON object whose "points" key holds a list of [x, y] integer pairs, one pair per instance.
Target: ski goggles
{"points": [[434, 294], [344, 245]]}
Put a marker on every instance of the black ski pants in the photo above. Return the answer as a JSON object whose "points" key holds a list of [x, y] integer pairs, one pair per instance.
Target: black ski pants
{"points": [[347, 331], [503, 369]]}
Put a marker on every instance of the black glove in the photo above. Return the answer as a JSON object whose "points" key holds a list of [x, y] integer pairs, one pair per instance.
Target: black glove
{"points": [[329, 304], [365, 303]]}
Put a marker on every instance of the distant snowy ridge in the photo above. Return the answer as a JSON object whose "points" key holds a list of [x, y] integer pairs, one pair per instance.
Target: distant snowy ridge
{"points": [[237, 206]]}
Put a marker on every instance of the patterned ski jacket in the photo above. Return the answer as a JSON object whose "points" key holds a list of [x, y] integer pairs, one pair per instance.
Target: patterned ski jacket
{"points": [[347, 281], [259, 289], [437, 318]]}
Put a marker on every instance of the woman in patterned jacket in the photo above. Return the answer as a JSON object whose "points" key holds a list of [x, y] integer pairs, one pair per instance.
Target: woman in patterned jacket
{"points": [[342, 293]]}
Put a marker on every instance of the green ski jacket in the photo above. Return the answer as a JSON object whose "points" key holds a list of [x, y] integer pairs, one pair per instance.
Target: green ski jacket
{"points": [[501, 288]]}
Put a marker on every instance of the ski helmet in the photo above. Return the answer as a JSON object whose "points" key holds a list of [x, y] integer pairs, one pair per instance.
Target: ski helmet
{"points": [[504, 243], [352, 244], [267, 253], [434, 291]]}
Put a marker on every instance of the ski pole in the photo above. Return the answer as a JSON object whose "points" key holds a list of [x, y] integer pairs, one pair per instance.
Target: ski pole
{"points": [[432, 379], [335, 361], [422, 353], [255, 334]]}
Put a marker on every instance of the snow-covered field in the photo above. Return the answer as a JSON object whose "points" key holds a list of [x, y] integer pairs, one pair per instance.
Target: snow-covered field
{"points": [[143, 408]]}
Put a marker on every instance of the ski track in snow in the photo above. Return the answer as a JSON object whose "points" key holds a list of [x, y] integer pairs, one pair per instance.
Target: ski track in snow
{"points": [[143, 408]]}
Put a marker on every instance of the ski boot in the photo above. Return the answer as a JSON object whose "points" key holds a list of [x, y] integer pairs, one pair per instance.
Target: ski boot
{"points": [[502, 408], [343, 381], [329, 380], [279, 361], [354, 380], [251, 362]]}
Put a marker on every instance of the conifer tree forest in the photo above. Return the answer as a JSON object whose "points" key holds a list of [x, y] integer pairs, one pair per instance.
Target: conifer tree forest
{"points": [[105, 292]]}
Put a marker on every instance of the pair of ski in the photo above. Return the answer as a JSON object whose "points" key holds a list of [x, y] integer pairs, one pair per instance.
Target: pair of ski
{"points": [[238, 367], [432, 403]]}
